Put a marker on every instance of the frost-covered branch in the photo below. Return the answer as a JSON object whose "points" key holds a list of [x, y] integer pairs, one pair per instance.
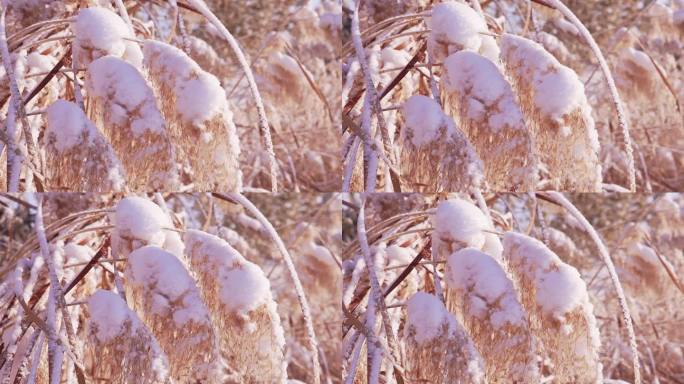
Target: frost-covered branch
{"points": [[55, 352], [376, 302], [13, 155]]}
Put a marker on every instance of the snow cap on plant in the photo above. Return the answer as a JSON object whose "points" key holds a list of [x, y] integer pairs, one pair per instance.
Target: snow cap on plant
{"points": [[556, 110], [125, 349], [561, 315], [483, 297], [477, 95], [124, 107], [437, 347], [238, 296], [454, 27], [458, 224], [81, 158], [435, 154], [170, 304], [195, 108]]}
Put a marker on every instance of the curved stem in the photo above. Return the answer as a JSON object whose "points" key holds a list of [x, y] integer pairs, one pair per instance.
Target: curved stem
{"points": [[622, 116], [603, 251], [299, 290], [263, 121]]}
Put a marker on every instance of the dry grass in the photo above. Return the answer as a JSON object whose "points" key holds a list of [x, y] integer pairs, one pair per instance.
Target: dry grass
{"points": [[166, 312], [571, 327]]}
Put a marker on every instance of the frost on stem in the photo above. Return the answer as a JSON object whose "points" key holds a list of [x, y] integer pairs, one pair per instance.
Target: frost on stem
{"points": [[455, 27], [556, 110], [481, 100], [139, 222], [483, 298], [124, 107], [437, 348], [238, 295], [169, 303], [100, 32], [125, 350], [195, 108], [561, 315], [435, 155], [81, 158], [459, 224]]}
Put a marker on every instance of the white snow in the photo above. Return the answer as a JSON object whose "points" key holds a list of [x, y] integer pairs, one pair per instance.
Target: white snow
{"points": [[558, 90], [164, 278], [101, 29], [426, 315], [644, 253], [487, 288], [102, 32], [109, 313], [397, 255], [199, 95], [461, 221], [639, 58], [243, 286], [38, 63], [559, 286], [477, 76], [68, 125], [457, 27], [423, 117], [131, 99], [141, 219], [286, 62]]}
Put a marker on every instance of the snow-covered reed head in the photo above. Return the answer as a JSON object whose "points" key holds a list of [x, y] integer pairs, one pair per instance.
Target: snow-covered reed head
{"points": [[459, 224], [477, 95], [170, 304], [100, 32], [122, 347], [484, 299], [454, 26], [139, 222], [198, 119], [437, 348], [561, 315], [435, 154], [83, 159], [238, 296], [552, 100], [124, 107]]}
